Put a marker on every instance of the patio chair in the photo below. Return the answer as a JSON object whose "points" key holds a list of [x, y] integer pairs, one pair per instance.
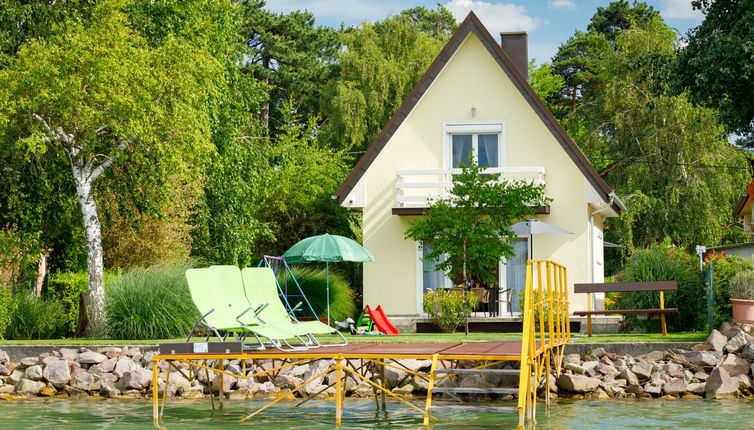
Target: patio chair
{"points": [[225, 311], [261, 288]]}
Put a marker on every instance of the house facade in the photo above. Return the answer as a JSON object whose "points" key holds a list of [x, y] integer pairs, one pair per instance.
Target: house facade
{"points": [[474, 99]]}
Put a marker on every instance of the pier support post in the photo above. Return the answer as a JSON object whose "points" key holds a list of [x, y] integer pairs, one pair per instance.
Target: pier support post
{"points": [[338, 390], [155, 394], [220, 384]]}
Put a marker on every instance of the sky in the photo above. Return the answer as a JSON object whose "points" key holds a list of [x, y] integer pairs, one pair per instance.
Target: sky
{"points": [[549, 23]]}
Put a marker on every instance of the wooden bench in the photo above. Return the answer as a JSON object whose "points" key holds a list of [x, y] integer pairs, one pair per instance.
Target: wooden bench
{"points": [[620, 287]]}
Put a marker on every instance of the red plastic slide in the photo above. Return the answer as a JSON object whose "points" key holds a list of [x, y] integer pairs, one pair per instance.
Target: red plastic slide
{"points": [[380, 320]]}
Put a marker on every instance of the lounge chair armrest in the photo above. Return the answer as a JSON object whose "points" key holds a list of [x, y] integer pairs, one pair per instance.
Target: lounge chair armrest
{"points": [[243, 313], [260, 308], [294, 309]]}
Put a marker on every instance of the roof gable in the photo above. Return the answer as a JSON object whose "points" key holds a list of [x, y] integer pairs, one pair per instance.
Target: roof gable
{"points": [[472, 25]]}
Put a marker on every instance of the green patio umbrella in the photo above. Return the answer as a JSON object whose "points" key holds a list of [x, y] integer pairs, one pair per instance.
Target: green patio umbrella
{"points": [[327, 248]]}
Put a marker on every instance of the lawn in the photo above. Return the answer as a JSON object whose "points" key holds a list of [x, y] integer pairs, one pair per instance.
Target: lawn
{"points": [[403, 338]]}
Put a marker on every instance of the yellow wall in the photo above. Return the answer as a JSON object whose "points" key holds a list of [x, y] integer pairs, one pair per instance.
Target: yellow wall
{"points": [[471, 78]]}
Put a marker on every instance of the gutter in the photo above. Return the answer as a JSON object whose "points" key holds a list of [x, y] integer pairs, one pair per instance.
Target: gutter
{"points": [[614, 200]]}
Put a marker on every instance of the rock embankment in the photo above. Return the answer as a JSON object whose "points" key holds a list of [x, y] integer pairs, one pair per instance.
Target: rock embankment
{"points": [[720, 368]]}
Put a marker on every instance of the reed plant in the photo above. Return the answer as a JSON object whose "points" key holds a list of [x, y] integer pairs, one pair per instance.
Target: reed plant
{"points": [[151, 303], [32, 317], [313, 281]]}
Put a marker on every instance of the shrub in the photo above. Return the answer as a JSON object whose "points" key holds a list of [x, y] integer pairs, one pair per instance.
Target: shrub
{"points": [[742, 286], [151, 303], [665, 262], [313, 282], [446, 308], [34, 317], [65, 288], [725, 268], [4, 308]]}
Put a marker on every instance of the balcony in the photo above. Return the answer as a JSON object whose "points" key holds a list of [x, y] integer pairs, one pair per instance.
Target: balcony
{"points": [[416, 188]]}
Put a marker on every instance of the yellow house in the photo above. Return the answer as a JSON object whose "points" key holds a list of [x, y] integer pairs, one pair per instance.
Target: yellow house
{"points": [[474, 98]]}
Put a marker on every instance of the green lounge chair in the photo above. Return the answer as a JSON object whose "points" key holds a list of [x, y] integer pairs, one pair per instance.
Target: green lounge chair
{"points": [[261, 288], [224, 308]]}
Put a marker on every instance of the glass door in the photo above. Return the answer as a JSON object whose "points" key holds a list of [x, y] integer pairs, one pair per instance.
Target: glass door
{"points": [[515, 271]]}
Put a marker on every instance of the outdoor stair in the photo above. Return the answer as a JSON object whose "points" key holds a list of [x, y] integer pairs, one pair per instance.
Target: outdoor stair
{"points": [[475, 390], [478, 371], [499, 409]]}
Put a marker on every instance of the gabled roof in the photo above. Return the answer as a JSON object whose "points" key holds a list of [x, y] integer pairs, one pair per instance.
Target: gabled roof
{"points": [[743, 199], [472, 25]]}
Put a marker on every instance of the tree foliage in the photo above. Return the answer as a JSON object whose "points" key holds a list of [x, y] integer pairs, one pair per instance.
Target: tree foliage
{"points": [[472, 226], [290, 55], [717, 64], [379, 66]]}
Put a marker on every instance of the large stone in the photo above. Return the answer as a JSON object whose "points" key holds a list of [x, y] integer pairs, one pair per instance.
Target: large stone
{"points": [[696, 388], [28, 362], [747, 351], [643, 370], [415, 365], [701, 376], [675, 387], [83, 381], [735, 365], [578, 383], [15, 376], [653, 356], [702, 358], [91, 357], [34, 372], [744, 382], [571, 358], [123, 365], [592, 368], [620, 364], [394, 377], [653, 390], [316, 368], [672, 367], [69, 353], [108, 389], [607, 369], [717, 341], [4, 358], [4, 371], [630, 377], [107, 366], [58, 373], [726, 327], [720, 385], [575, 368], [137, 379], [228, 383], [27, 386], [738, 341]]}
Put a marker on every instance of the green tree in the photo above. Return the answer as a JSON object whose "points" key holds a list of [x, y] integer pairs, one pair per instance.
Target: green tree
{"points": [[438, 22], [544, 80], [470, 230], [289, 54], [379, 66], [659, 151], [97, 93], [295, 194], [621, 15], [717, 65]]}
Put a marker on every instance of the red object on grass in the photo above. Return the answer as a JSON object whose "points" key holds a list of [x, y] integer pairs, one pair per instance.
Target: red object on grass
{"points": [[380, 320]]}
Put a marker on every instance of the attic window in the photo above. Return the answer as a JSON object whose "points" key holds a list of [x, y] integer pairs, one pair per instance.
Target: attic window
{"points": [[484, 142]]}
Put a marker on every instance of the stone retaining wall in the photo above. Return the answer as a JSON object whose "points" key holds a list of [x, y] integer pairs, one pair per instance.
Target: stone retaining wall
{"points": [[721, 367]]}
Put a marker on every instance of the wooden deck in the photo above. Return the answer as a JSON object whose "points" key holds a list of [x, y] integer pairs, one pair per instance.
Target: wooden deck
{"points": [[489, 350]]}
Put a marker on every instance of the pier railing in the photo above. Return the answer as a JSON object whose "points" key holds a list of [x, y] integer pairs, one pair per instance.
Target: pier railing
{"points": [[546, 330]]}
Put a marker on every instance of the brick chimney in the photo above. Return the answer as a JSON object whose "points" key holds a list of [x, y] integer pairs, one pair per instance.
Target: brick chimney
{"points": [[515, 44]]}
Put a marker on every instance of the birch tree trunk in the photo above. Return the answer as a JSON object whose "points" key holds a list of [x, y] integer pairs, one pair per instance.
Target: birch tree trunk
{"points": [[84, 180]]}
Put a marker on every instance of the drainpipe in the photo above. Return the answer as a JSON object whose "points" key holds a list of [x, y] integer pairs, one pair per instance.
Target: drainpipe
{"points": [[614, 199]]}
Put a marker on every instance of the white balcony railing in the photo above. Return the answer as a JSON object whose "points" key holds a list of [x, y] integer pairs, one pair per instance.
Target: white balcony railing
{"points": [[417, 187]]}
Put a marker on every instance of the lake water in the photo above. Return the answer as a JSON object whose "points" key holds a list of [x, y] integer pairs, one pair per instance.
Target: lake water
{"points": [[360, 414]]}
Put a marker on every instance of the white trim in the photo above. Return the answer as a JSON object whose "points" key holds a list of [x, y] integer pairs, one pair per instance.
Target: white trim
{"points": [[419, 287], [473, 128]]}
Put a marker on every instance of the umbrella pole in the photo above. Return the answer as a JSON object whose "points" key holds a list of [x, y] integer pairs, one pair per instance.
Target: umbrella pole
{"points": [[327, 280]]}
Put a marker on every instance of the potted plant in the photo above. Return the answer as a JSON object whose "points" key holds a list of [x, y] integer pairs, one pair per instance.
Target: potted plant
{"points": [[742, 297]]}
